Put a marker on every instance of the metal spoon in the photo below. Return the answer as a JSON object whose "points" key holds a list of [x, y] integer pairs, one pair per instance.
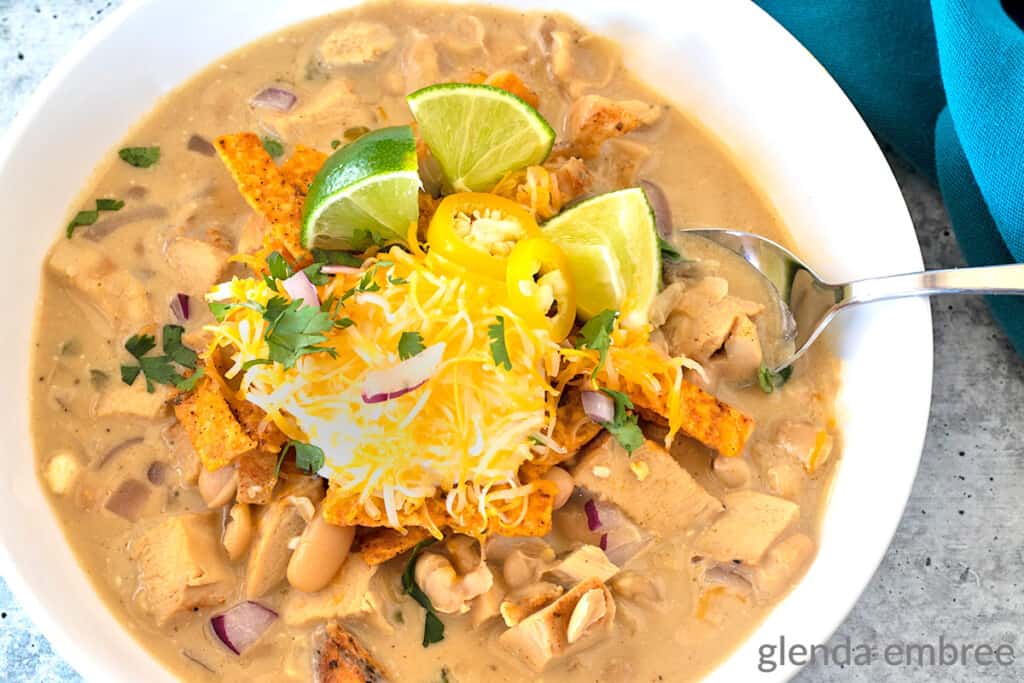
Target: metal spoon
{"points": [[807, 304]]}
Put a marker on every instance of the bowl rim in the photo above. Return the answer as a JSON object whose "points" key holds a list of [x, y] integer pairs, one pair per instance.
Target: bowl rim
{"points": [[93, 667]]}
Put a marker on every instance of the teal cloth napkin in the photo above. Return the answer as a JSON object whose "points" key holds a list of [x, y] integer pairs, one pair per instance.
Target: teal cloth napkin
{"points": [[943, 84]]}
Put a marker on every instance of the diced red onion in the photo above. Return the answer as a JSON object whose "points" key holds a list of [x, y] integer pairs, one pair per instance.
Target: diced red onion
{"points": [[603, 544], [242, 625], [410, 374], [277, 99], [180, 306], [298, 286], [593, 517], [598, 406], [335, 269], [659, 204]]}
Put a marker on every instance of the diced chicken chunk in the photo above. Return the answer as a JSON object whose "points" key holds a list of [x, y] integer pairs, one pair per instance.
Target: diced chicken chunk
{"points": [[594, 119], [181, 566], [356, 42], [341, 659], [752, 521], [668, 501], [807, 443], [586, 562], [115, 292], [419, 62], [198, 264], [579, 619], [347, 596], [281, 521], [133, 400], [781, 565], [528, 600], [696, 317], [742, 352]]}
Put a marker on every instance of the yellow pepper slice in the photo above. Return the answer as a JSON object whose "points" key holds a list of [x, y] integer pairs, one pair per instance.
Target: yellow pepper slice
{"points": [[540, 286], [477, 231]]}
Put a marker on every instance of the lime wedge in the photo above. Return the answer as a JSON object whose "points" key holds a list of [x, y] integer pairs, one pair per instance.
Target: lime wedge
{"points": [[365, 194], [612, 245], [479, 133]]}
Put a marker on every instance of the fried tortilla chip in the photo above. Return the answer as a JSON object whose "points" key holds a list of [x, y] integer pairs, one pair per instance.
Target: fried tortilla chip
{"points": [[265, 187], [302, 167], [257, 477], [212, 428], [536, 522], [380, 545], [264, 432], [345, 509], [715, 424]]}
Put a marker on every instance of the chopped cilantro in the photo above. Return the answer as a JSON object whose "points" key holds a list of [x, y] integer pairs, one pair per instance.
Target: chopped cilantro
{"points": [[295, 330], [335, 144], [397, 280], [308, 458], [189, 383], [317, 278], [159, 369], [596, 334], [109, 204], [219, 310], [89, 217], [274, 147], [769, 380], [82, 218], [410, 344], [433, 628], [140, 345], [278, 266], [499, 349], [337, 258], [624, 426], [140, 157], [175, 350], [668, 251]]}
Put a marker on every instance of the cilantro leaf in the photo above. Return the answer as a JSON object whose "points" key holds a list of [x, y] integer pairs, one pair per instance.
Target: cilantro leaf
{"points": [[397, 280], [624, 427], [158, 369], [178, 352], [433, 627], [308, 458], [129, 373], [139, 345], [668, 251], [335, 144], [317, 278], [219, 310], [109, 204], [140, 157], [274, 147], [770, 380], [82, 218], [596, 334], [189, 383], [278, 267], [295, 330], [499, 349], [337, 258], [410, 344]]}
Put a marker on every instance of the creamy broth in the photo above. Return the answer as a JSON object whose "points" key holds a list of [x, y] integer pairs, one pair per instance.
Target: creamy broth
{"points": [[140, 464]]}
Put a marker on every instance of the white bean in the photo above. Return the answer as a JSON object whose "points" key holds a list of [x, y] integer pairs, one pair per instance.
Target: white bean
{"points": [[218, 487], [238, 530], [321, 552], [564, 481]]}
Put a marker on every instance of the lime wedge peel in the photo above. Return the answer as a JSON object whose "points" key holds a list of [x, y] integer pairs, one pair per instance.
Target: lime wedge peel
{"points": [[478, 133], [612, 245], [365, 194]]}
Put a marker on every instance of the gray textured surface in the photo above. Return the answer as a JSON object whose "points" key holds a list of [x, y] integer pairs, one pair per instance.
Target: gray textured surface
{"points": [[955, 567]]}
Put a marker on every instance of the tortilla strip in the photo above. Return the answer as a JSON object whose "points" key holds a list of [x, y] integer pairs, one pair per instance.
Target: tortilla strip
{"points": [[380, 545], [264, 432], [265, 187], [257, 477], [212, 428], [573, 430], [715, 424], [302, 167]]}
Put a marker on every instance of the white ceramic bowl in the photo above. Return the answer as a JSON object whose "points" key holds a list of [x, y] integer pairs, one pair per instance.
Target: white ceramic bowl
{"points": [[725, 62]]}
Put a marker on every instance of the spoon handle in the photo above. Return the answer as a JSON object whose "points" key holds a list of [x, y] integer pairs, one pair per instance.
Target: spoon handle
{"points": [[1007, 279]]}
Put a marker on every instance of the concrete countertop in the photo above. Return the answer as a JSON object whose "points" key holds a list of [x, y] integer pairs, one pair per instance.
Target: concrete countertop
{"points": [[955, 566]]}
